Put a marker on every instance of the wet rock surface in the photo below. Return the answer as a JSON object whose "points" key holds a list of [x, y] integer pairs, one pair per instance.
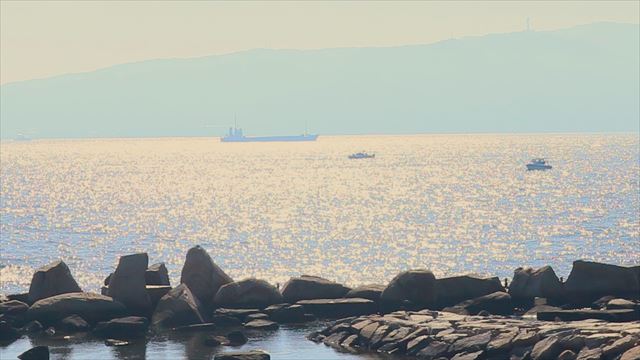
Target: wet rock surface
{"points": [[430, 334]]}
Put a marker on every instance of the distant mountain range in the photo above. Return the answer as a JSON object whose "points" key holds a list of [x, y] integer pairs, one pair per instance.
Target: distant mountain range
{"points": [[585, 78]]}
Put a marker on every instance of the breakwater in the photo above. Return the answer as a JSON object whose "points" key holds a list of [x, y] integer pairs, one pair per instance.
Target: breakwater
{"points": [[414, 308]]}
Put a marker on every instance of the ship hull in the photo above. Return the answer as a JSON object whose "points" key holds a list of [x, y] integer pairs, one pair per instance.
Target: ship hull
{"points": [[269, 138]]}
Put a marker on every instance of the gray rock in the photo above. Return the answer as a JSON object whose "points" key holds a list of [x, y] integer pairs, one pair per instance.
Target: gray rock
{"points": [[368, 331], [89, 306], [468, 356], [434, 350], [567, 355], [622, 304], [240, 314], [456, 289], [23, 297], [202, 275], [312, 287], [286, 314], [127, 284], [471, 344], [376, 340], [237, 338], [50, 280], [32, 327], [338, 308], [546, 349], [416, 286], [214, 341], [116, 342], [599, 339], [542, 308], [157, 274], [619, 346], [257, 316], [73, 323], [244, 355], [622, 315], [501, 343], [589, 281], [13, 307], [351, 342], [370, 291], [631, 354], [248, 293], [529, 283], [589, 354], [35, 353], [417, 344], [178, 308], [335, 340], [573, 342], [123, 328], [261, 325], [498, 303]]}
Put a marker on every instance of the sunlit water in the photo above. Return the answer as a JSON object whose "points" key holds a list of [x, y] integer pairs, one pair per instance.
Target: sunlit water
{"points": [[450, 203]]}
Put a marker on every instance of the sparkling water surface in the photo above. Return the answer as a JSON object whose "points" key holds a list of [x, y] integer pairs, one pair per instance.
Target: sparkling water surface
{"points": [[450, 203]]}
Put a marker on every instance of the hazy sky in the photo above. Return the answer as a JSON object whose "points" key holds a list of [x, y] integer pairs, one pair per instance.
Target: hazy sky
{"points": [[40, 39]]}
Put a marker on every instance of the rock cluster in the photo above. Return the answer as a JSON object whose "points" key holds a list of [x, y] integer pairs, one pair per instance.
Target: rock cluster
{"points": [[138, 297], [430, 334]]}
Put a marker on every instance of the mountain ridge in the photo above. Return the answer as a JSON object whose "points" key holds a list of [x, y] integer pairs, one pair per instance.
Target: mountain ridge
{"points": [[412, 88]]}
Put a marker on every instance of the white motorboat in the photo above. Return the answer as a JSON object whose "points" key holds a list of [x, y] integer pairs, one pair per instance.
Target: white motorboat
{"points": [[538, 164]]}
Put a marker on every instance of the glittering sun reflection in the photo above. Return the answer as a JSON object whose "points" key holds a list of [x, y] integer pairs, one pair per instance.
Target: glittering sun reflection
{"points": [[454, 204]]}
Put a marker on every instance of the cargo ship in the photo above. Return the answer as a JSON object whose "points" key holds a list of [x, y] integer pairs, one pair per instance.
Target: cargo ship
{"points": [[236, 135]]}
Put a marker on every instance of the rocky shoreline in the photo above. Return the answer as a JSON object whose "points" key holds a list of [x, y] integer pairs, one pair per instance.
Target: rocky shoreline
{"points": [[594, 314]]}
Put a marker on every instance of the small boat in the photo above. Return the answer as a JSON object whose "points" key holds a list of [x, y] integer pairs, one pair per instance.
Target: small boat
{"points": [[361, 155], [538, 164]]}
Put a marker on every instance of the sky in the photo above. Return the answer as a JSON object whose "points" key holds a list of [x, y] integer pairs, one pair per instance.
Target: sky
{"points": [[40, 39]]}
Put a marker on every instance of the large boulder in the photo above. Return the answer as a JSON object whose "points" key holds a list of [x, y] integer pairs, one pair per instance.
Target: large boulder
{"points": [[416, 286], [248, 293], [202, 275], [453, 290], [50, 280], [178, 308], [127, 283], [369, 291], [123, 328], [312, 287], [157, 274], [497, 303], [529, 283], [89, 306], [589, 281], [338, 308]]}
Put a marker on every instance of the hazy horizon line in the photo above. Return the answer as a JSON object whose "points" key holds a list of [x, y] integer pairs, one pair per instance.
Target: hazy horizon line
{"points": [[374, 134]]}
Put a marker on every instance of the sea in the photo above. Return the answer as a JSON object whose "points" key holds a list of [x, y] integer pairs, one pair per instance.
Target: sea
{"points": [[451, 203]]}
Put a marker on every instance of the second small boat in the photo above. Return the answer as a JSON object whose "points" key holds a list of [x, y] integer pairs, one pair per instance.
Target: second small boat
{"points": [[362, 155]]}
